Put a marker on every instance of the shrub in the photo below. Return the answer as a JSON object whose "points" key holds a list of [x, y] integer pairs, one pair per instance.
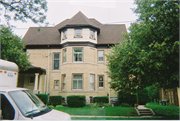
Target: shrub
{"points": [[143, 97], [76, 100], [125, 105], [44, 98], [55, 100], [101, 99], [127, 98]]}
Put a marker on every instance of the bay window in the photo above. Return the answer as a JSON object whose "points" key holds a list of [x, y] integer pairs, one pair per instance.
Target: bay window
{"points": [[77, 81], [78, 54]]}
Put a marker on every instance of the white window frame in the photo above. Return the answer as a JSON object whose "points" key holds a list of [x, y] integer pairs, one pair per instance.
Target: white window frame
{"points": [[101, 81], [54, 59], [99, 56], [64, 35], [73, 79], [63, 81], [92, 81], [92, 34], [78, 54], [64, 55], [78, 33]]}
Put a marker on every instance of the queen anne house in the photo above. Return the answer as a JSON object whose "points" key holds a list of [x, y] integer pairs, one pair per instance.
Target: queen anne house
{"points": [[69, 58]]}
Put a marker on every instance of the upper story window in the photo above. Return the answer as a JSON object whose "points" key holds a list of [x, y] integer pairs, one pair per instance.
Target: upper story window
{"points": [[92, 34], [101, 81], [56, 61], [78, 33], [78, 55], [100, 56], [64, 35]]}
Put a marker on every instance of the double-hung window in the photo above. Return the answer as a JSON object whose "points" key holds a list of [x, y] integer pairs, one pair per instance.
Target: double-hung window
{"points": [[77, 81], [78, 33], [64, 55], [92, 82], [63, 81], [65, 34], [101, 81], [92, 34], [56, 61], [56, 84], [100, 56], [78, 54]]}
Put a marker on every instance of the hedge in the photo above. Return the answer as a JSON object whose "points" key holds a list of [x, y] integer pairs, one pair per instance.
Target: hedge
{"points": [[55, 100], [127, 98], [143, 97], [44, 98], [76, 100], [101, 99]]}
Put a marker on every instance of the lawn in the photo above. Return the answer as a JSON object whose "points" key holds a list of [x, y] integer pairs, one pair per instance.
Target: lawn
{"points": [[96, 111]]}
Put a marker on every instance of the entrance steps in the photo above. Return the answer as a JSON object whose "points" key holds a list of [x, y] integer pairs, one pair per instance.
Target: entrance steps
{"points": [[143, 111]]}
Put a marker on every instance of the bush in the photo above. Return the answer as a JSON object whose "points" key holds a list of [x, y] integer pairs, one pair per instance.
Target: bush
{"points": [[101, 99], [127, 99], [125, 105], [161, 110], [55, 100], [143, 97], [44, 98], [76, 100]]}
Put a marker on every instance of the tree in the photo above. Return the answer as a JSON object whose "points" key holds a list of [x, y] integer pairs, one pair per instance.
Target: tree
{"points": [[151, 50], [24, 9], [12, 49]]}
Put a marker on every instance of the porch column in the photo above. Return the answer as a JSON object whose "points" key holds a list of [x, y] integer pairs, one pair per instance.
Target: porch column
{"points": [[36, 83]]}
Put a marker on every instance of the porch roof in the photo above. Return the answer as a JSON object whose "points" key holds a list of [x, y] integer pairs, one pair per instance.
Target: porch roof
{"points": [[34, 69]]}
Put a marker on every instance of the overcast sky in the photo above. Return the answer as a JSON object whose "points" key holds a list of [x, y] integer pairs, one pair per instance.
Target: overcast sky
{"points": [[105, 11]]}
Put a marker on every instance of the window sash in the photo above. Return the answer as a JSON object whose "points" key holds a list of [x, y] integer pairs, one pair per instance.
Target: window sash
{"points": [[77, 81], [63, 82], [101, 81], [78, 55], [100, 55], [56, 84], [92, 34], [64, 55], [78, 32], [92, 82], [56, 61]]}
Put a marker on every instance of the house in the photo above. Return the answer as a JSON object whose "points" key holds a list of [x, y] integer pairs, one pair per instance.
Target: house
{"points": [[171, 96], [69, 58]]}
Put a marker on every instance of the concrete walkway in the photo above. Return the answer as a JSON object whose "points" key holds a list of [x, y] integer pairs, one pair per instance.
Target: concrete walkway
{"points": [[141, 107]]}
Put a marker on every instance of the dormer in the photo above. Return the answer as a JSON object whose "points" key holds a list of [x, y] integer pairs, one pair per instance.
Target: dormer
{"points": [[79, 29]]}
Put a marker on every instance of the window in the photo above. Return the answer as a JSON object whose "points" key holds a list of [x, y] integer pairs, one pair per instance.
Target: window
{"points": [[92, 34], [31, 79], [101, 81], [63, 81], [92, 82], [6, 108], [77, 81], [78, 55], [56, 61], [64, 55], [78, 33], [64, 35], [56, 84], [100, 55]]}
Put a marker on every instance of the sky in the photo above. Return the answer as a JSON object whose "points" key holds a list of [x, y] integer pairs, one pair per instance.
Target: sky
{"points": [[105, 11]]}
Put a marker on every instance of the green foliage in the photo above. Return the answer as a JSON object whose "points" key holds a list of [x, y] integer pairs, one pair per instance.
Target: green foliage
{"points": [[125, 105], [44, 98], [162, 110], [153, 93], [55, 100], [130, 99], [142, 96], [150, 52], [24, 9], [101, 105], [76, 100], [12, 49], [101, 99]]}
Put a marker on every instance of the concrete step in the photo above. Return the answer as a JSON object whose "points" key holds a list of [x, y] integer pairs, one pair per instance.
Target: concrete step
{"points": [[145, 112]]}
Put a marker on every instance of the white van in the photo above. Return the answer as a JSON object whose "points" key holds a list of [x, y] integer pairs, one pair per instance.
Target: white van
{"points": [[21, 103]]}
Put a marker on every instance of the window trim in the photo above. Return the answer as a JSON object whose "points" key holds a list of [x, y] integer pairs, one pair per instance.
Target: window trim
{"points": [[82, 81], [65, 56], [55, 84], [53, 61], [82, 54], [102, 81], [98, 55]]}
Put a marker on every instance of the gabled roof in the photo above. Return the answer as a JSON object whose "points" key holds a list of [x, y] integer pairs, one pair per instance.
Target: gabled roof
{"points": [[109, 33], [80, 20]]}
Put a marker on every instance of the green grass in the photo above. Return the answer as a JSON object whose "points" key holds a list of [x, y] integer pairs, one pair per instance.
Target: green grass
{"points": [[162, 110], [95, 111]]}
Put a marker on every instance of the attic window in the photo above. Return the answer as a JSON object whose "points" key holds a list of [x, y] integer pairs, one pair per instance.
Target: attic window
{"points": [[64, 35], [78, 33], [92, 34]]}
